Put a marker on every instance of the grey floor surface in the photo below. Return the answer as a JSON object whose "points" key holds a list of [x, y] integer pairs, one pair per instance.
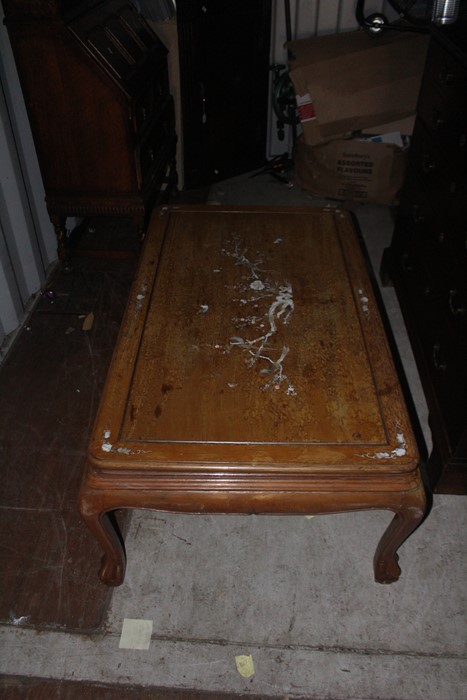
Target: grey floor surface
{"points": [[295, 593]]}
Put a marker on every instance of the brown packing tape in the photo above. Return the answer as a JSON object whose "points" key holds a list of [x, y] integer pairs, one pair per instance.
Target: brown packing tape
{"points": [[347, 169], [356, 82]]}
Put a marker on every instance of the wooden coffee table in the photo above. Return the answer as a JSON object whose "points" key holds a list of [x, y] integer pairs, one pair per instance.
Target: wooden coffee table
{"points": [[252, 374]]}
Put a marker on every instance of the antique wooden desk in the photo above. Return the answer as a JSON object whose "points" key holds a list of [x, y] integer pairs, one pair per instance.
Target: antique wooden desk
{"points": [[252, 374]]}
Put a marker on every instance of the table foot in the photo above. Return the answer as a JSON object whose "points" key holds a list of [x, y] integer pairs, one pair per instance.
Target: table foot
{"points": [[405, 521], [111, 572], [387, 571]]}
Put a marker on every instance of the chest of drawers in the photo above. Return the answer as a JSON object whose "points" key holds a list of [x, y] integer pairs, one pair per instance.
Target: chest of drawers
{"points": [[427, 260], [95, 82]]}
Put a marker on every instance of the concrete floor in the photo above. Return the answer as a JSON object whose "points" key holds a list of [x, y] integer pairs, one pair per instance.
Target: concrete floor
{"points": [[295, 593]]}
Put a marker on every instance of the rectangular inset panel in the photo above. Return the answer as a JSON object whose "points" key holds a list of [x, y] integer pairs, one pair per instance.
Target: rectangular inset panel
{"points": [[254, 335]]}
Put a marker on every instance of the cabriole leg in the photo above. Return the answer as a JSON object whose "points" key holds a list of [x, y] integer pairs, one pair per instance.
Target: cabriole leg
{"points": [[59, 224], [407, 518], [104, 527]]}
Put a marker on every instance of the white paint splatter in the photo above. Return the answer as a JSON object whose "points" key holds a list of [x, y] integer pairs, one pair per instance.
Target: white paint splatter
{"points": [[396, 452], [277, 371], [108, 447], [257, 285], [283, 304], [141, 296], [241, 259], [247, 321], [279, 313], [364, 303], [22, 620]]}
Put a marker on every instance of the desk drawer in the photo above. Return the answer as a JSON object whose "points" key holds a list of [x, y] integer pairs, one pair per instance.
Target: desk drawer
{"points": [[120, 40]]}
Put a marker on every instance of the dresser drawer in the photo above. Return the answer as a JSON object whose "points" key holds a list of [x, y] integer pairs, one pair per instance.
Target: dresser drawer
{"points": [[438, 193], [446, 74], [442, 175], [432, 274], [443, 102], [434, 231], [449, 381], [417, 227], [447, 288], [442, 355]]}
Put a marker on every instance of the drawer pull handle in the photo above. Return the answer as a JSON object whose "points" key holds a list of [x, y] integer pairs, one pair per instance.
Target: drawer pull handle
{"points": [[455, 309], [446, 76], [406, 263], [416, 215], [438, 121], [428, 166], [439, 364]]}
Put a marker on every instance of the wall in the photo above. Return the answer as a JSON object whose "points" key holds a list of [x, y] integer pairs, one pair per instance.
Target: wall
{"points": [[27, 238]]}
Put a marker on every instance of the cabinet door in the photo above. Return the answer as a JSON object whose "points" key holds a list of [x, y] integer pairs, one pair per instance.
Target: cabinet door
{"points": [[224, 75]]}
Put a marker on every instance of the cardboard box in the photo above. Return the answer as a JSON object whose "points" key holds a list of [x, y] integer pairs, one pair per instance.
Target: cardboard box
{"points": [[351, 81], [350, 169]]}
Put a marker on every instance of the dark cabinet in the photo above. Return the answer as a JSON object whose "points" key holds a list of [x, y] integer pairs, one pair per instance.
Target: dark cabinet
{"points": [[95, 82], [427, 260], [224, 80]]}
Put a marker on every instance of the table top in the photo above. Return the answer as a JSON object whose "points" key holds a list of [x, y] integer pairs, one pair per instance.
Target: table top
{"points": [[252, 341]]}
